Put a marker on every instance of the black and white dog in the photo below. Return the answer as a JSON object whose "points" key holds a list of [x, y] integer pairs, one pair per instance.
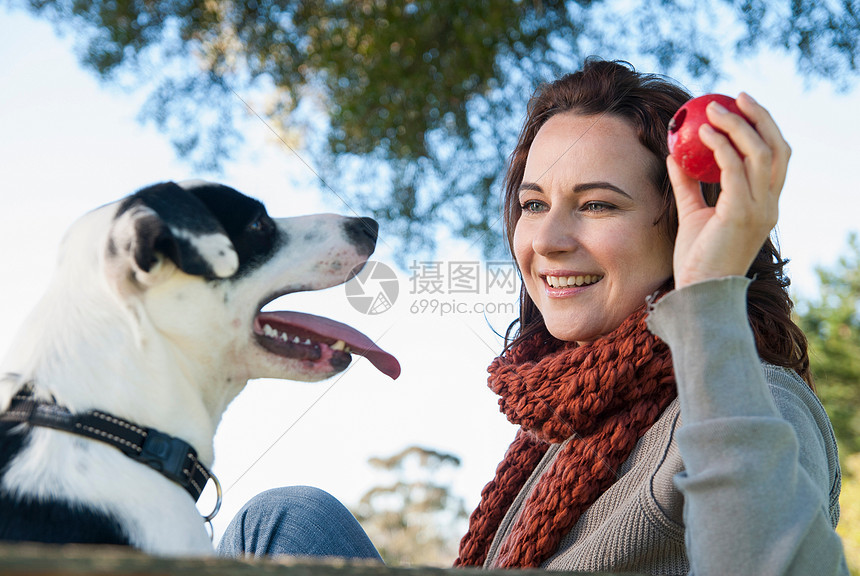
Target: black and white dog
{"points": [[111, 394]]}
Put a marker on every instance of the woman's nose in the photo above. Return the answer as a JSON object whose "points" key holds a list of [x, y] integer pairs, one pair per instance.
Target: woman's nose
{"points": [[556, 233]]}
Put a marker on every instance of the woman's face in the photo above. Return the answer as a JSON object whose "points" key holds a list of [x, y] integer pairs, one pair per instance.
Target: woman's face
{"points": [[586, 241]]}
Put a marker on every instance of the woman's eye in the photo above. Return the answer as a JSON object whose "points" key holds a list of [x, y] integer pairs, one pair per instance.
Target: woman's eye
{"points": [[596, 207], [533, 206]]}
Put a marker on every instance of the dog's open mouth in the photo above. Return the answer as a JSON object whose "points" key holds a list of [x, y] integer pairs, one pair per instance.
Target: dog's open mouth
{"points": [[315, 338]]}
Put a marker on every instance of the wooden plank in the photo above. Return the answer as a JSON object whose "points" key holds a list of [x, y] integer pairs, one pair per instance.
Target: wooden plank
{"points": [[69, 560]]}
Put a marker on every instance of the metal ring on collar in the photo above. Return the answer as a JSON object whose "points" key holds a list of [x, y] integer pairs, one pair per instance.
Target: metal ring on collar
{"points": [[217, 501]]}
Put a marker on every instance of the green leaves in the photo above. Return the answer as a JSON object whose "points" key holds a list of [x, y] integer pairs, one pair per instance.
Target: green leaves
{"points": [[410, 108], [832, 324], [396, 71]]}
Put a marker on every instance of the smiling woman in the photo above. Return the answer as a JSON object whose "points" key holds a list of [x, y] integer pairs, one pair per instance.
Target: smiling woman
{"points": [[602, 476], [578, 221]]}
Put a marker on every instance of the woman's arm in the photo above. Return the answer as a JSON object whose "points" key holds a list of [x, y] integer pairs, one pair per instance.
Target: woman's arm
{"points": [[758, 480], [756, 486]]}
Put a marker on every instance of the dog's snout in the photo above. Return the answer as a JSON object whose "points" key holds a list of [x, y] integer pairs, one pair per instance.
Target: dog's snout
{"points": [[362, 232]]}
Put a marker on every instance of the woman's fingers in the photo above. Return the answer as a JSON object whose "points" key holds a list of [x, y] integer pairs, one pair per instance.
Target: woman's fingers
{"points": [[688, 194], [734, 173], [742, 154], [768, 130], [764, 124], [758, 140], [753, 159]]}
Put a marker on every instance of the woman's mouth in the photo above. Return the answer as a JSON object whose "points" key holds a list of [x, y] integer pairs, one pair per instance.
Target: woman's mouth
{"points": [[572, 281]]}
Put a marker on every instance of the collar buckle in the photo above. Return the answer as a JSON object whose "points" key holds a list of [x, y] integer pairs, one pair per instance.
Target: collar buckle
{"points": [[167, 454]]}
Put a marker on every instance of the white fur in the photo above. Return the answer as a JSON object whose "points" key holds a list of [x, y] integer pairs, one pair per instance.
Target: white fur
{"points": [[216, 248], [169, 353]]}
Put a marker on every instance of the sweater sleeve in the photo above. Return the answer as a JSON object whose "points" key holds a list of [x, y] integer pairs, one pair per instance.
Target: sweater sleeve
{"points": [[761, 481]]}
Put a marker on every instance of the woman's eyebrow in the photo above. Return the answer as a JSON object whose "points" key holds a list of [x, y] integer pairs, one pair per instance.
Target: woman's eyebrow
{"points": [[583, 187], [529, 186]]}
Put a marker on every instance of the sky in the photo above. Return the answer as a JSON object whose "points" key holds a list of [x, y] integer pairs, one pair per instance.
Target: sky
{"points": [[69, 144]]}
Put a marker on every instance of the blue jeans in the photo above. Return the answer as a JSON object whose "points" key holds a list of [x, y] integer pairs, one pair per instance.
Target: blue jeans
{"points": [[297, 521]]}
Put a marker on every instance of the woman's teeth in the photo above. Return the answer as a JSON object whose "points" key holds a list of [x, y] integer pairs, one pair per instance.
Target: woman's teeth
{"points": [[565, 281]]}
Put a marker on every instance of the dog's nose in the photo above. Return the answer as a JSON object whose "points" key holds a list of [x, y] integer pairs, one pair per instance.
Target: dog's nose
{"points": [[362, 232]]}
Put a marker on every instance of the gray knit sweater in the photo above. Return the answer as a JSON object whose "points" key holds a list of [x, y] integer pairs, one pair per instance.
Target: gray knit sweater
{"points": [[749, 484]]}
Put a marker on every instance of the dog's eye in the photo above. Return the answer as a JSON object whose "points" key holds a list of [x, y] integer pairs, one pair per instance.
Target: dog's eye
{"points": [[261, 224]]}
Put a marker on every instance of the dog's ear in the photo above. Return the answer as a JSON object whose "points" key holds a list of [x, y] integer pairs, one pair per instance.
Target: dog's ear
{"points": [[165, 221]]}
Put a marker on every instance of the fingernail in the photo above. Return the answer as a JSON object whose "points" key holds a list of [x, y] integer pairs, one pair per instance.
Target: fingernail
{"points": [[718, 108], [751, 99]]}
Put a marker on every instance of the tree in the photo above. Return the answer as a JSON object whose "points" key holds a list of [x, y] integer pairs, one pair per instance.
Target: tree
{"points": [[415, 519], [409, 108], [832, 324]]}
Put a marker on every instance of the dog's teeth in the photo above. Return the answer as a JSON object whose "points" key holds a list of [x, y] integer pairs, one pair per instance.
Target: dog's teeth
{"points": [[283, 336], [341, 345]]}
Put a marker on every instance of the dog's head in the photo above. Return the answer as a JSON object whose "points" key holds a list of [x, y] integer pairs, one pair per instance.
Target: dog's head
{"points": [[199, 261]]}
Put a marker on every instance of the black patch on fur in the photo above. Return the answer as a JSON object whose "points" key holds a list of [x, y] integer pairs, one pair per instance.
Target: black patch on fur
{"points": [[205, 209], [254, 235], [51, 522], [174, 208], [153, 238], [362, 232]]}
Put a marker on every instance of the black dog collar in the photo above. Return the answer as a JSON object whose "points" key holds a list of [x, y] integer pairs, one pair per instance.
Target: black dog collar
{"points": [[171, 456]]}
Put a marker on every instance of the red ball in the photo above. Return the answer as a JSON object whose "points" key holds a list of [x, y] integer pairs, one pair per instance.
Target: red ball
{"points": [[696, 159]]}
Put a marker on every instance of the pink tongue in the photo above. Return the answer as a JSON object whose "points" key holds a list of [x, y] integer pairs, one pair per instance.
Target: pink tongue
{"points": [[328, 328]]}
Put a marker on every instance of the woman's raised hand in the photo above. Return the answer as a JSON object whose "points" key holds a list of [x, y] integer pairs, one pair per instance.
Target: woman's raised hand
{"points": [[723, 240]]}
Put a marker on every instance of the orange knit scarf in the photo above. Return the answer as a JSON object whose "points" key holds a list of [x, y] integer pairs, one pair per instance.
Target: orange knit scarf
{"points": [[605, 395]]}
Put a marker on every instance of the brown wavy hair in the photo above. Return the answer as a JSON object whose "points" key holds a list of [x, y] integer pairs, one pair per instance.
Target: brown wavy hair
{"points": [[648, 102]]}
